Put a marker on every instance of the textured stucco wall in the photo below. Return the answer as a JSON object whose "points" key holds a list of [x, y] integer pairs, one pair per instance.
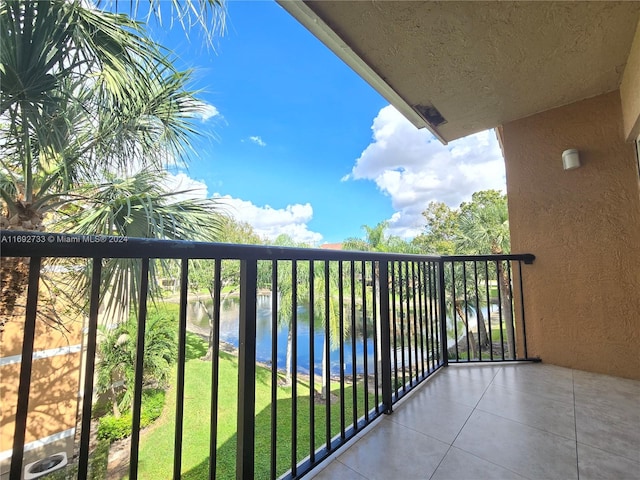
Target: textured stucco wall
{"points": [[55, 383], [583, 292], [630, 90]]}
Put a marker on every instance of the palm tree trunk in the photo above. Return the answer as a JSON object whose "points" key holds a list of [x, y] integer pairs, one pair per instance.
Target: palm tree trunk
{"points": [[14, 271], [470, 337], [482, 329], [114, 401]]}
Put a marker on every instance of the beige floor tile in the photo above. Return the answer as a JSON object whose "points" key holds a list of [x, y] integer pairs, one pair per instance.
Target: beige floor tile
{"points": [[337, 470], [457, 388], [391, 450], [610, 433], [435, 416], [528, 408], [525, 450], [514, 419], [460, 465], [550, 383], [596, 464]]}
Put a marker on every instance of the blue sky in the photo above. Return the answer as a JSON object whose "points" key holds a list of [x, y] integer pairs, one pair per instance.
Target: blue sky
{"points": [[298, 143]]}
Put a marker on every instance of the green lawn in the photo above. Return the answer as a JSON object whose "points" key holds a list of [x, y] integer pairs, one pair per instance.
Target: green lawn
{"points": [[156, 445]]}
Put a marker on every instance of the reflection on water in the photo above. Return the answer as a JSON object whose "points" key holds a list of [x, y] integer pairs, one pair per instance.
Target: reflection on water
{"points": [[198, 320]]}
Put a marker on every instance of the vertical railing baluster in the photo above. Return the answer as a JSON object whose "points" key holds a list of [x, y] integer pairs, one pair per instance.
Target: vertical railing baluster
{"points": [[245, 449], [294, 367], [385, 338], [327, 354], [422, 312], [500, 309], [182, 342], [365, 341], [89, 372], [524, 327], [375, 271], [139, 375], [312, 377], [490, 333], [354, 372], [402, 339], [433, 353], [341, 346], [408, 316], [414, 295], [466, 310], [274, 367], [443, 313], [478, 313], [215, 368], [395, 331], [454, 312], [512, 340], [22, 410]]}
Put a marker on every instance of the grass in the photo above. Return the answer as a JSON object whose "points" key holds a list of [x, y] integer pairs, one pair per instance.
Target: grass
{"points": [[156, 446]]}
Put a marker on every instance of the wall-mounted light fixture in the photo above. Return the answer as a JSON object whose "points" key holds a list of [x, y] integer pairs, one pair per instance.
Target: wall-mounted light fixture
{"points": [[570, 159]]}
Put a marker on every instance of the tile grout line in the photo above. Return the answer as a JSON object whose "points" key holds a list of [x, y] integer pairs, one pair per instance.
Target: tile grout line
{"points": [[464, 424]]}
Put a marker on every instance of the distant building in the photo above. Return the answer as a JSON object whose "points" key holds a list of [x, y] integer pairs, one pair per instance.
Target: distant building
{"points": [[331, 246]]}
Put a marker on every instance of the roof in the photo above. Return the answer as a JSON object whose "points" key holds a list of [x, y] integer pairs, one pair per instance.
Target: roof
{"points": [[457, 68]]}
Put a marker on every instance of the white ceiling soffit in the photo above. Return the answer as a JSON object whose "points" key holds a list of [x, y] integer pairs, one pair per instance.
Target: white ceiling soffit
{"points": [[457, 68]]}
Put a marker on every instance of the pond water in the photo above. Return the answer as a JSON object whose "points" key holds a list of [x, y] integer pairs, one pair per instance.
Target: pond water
{"points": [[198, 320], [229, 319]]}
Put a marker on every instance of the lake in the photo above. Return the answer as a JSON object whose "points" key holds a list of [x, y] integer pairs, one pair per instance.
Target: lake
{"points": [[229, 321]]}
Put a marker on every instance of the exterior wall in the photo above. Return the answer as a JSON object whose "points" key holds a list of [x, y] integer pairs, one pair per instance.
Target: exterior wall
{"points": [[55, 383], [582, 294], [630, 90]]}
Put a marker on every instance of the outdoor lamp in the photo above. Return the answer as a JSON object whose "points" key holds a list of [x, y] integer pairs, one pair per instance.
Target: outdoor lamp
{"points": [[570, 159]]}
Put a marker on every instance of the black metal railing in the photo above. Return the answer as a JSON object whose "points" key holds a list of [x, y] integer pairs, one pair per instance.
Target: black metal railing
{"points": [[365, 329]]}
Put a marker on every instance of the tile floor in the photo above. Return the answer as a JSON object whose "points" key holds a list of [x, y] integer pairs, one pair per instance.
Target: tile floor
{"points": [[524, 421]]}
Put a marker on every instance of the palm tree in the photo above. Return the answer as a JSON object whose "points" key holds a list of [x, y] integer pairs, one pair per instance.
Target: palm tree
{"points": [[87, 96], [376, 240], [137, 206], [484, 227], [117, 353]]}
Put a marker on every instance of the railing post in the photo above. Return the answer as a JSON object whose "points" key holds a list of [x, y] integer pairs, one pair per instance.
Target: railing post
{"points": [[385, 337], [247, 370], [26, 365], [443, 313]]}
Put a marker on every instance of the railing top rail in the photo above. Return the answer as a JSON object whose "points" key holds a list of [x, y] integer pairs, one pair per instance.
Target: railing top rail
{"points": [[30, 244], [527, 258]]}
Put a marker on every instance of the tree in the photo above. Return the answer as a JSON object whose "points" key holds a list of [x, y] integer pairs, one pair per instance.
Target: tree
{"points": [[202, 273], [484, 227], [117, 354], [481, 227], [441, 229], [87, 96]]}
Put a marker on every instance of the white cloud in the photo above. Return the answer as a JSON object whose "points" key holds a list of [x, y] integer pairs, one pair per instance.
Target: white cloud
{"points": [[270, 222], [413, 168], [257, 140], [206, 111], [189, 187]]}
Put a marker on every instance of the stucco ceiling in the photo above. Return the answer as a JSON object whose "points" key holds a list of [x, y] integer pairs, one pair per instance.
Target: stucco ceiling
{"points": [[461, 67]]}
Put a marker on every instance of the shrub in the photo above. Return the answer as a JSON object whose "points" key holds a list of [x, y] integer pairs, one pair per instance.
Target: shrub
{"points": [[117, 357], [112, 428]]}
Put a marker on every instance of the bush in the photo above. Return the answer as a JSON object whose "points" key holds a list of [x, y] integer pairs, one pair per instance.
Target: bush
{"points": [[112, 428], [117, 357]]}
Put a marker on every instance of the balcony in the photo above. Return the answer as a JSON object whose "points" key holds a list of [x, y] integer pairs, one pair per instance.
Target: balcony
{"points": [[502, 421], [379, 329]]}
